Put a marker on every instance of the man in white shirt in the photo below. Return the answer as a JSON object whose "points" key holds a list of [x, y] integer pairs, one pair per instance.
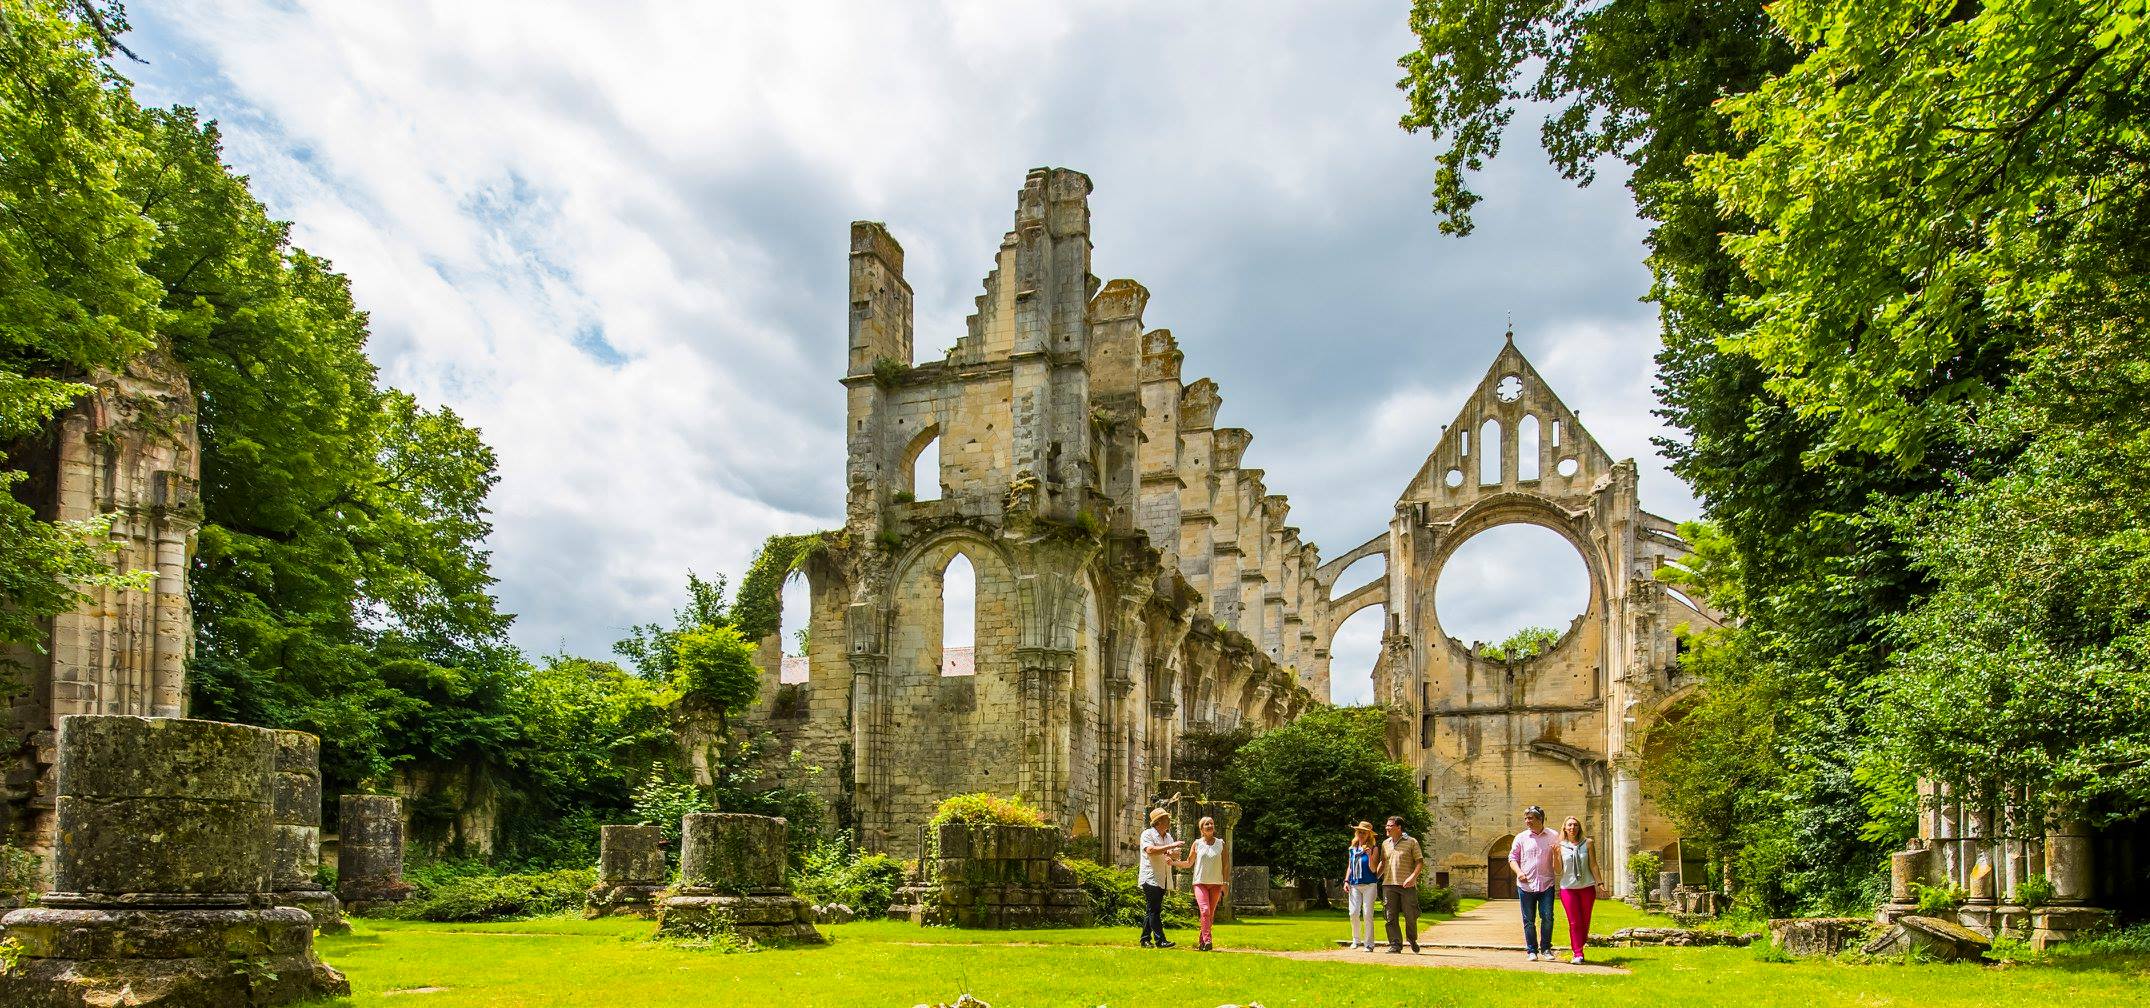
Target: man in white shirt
{"points": [[1155, 874]]}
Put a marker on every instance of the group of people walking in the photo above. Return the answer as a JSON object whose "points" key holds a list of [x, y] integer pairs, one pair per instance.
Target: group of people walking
{"points": [[1547, 866]]}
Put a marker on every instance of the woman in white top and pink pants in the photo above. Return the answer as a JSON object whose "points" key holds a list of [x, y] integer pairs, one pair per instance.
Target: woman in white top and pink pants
{"points": [[1206, 857]]}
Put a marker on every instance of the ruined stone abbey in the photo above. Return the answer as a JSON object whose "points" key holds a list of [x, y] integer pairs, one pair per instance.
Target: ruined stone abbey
{"points": [[1135, 581]]}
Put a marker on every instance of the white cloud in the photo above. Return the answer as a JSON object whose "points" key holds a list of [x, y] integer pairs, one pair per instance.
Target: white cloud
{"points": [[612, 236]]}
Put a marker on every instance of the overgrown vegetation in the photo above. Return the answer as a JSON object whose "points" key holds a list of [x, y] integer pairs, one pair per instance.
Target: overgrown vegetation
{"points": [[985, 809], [834, 871], [1303, 784], [1116, 896], [471, 892], [1522, 645], [1896, 248]]}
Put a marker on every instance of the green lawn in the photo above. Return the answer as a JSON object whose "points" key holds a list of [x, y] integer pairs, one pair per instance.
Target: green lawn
{"points": [[570, 962]]}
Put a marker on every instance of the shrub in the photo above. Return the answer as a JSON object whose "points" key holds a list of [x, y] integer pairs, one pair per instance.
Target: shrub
{"points": [[831, 872], [659, 802], [984, 809], [19, 875], [1438, 899], [1939, 901], [2034, 892], [1116, 898], [2128, 941], [1643, 866], [499, 897]]}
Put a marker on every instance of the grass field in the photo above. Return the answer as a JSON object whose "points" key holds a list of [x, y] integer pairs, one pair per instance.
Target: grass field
{"points": [[611, 963]]}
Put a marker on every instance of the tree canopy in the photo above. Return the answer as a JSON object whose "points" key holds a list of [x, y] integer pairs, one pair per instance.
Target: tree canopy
{"points": [[1303, 785]]}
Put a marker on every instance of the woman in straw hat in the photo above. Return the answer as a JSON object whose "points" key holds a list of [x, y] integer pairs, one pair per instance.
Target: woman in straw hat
{"points": [[1362, 882]]}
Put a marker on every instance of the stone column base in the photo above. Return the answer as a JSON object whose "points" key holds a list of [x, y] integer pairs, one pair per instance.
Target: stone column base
{"points": [[771, 917], [613, 901], [326, 909], [2053, 925], [80, 958]]}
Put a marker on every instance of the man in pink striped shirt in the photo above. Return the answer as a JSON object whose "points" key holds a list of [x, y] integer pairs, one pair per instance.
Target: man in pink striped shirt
{"points": [[1535, 856]]}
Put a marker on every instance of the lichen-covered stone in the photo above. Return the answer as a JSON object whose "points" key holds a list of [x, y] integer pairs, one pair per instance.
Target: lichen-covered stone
{"points": [[769, 918], [1819, 936], [723, 852], [115, 756], [1250, 890], [79, 958], [993, 876], [161, 811], [631, 855], [369, 852], [1931, 938]]}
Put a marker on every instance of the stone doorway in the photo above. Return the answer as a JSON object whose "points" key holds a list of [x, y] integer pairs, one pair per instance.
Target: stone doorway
{"points": [[1500, 875]]}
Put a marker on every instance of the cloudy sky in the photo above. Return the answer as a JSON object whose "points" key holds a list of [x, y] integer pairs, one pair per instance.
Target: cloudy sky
{"points": [[613, 235]]}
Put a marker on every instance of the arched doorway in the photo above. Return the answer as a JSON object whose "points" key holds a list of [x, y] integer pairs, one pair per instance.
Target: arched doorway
{"points": [[1500, 875]]}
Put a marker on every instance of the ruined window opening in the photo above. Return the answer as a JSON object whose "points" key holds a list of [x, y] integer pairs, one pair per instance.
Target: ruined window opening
{"points": [[1454, 478], [1526, 448], [1556, 433], [959, 617], [926, 471], [1567, 467], [794, 606], [1489, 454], [1463, 443], [1353, 651], [1508, 578], [1362, 572], [1509, 390]]}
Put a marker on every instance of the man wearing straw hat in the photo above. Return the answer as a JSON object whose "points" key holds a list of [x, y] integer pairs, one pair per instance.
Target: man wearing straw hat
{"points": [[1158, 851]]}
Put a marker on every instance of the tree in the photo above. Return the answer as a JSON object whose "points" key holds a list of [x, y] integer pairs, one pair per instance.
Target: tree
{"points": [[714, 666], [74, 293], [652, 649], [1523, 645], [1202, 753], [1305, 784]]}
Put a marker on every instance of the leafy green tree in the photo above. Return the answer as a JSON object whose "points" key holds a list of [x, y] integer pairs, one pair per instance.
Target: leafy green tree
{"points": [[74, 293], [1305, 784], [653, 648], [714, 666], [1201, 754], [1523, 645]]}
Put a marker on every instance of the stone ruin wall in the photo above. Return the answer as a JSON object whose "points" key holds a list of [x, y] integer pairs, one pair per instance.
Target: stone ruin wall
{"points": [[128, 449], [1564, 729], [1133, 580]]}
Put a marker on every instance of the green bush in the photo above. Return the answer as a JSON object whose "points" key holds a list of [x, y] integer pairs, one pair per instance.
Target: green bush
{"points": [[1116, 898], [498, 897], [1437, 899], [831, 872], [19, 875], [1643, 866], [2034, 892], [1939, 901], [983, 809]]}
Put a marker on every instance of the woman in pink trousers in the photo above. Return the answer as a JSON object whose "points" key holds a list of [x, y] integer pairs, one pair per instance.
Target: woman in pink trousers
{"points": [[1578, 883]]}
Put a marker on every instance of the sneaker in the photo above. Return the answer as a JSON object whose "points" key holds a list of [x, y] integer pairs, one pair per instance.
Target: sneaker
{"points": [[1533, 957], [1161, 943], [1577, 961], [1146, 941], [1393, 951], [1414, 948]]}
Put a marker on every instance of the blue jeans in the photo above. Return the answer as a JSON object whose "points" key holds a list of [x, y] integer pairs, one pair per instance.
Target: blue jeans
{"points": [[1538, 930]]}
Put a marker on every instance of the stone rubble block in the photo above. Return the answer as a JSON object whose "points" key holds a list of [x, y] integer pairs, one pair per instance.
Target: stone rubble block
{"points": [[1820, 936], [1931, 938], [369, 853], [631, 872], [732, 878]]}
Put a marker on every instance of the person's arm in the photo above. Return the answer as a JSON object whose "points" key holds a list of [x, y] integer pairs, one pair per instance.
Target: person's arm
{"points": [[1418, 864], [1515, 854], [1594, 872]]}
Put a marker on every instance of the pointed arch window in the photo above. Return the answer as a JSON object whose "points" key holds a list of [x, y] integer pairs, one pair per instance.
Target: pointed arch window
{"points": [[1489, 454]]}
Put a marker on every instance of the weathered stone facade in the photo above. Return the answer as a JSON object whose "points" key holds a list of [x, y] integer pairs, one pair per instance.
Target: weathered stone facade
{"points": [[1565, 729], [164, 853], [128, 450], [1132, 579]]}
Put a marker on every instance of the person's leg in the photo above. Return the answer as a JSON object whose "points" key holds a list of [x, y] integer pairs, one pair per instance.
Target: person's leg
{"points": [[1586, 900], [1362, 921], [1410, 918], [1391, 906], [1571, 904], [1208, 894], [1530, 934], [1545, 922], [1153, 913]]}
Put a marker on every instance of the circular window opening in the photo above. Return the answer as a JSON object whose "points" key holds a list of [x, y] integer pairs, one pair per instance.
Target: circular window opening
{"points": [[1512, 591], [1567, 467], [1454, 478], [1510, 389]]}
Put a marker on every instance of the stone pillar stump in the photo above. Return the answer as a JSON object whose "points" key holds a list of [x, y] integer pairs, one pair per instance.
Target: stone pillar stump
{"points": [[630, 872], [731, 878], [369, 855], [295, 862], [162, 865]]}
